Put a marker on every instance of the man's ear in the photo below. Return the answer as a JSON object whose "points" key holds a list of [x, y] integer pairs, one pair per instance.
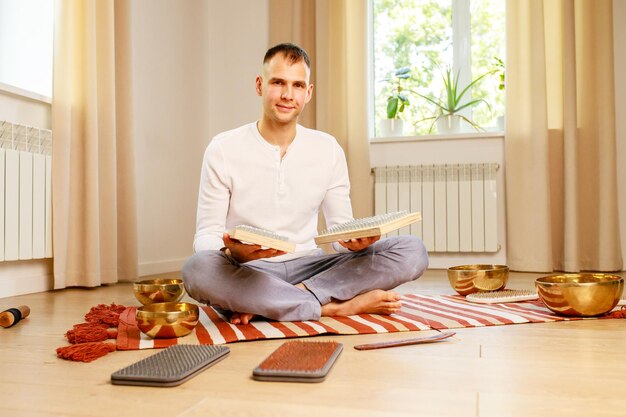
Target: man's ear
{"points": [[309, 93], [259, 85]]}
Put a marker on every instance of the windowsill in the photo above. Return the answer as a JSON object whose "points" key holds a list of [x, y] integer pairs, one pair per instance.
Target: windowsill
{"points": [[457, 136], [19, 92]]}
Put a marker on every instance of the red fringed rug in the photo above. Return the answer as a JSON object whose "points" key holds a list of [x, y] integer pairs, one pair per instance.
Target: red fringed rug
{"points": [[419, 312]]}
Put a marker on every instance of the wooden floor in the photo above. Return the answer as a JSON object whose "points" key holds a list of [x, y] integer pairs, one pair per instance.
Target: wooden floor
{"points": [[552, 369]]}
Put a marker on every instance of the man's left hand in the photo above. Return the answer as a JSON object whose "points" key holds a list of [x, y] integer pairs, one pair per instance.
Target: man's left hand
{"points": [[356, 245]]}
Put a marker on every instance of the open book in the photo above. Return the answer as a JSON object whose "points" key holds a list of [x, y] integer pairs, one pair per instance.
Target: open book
{"points": [[368, 226]]}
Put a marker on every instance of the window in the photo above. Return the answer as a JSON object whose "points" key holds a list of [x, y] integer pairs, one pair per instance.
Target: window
{"points": [[416, 43], [26, 45]]}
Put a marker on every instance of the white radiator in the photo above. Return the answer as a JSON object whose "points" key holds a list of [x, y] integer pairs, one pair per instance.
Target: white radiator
{"points": [[458, 203], [25, 192]]}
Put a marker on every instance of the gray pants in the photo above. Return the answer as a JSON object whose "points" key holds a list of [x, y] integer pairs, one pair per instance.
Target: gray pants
{"points": [[268, 288]]}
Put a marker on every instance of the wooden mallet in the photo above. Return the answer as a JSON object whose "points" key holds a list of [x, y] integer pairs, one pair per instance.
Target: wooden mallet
{"points": [[12, 316]]}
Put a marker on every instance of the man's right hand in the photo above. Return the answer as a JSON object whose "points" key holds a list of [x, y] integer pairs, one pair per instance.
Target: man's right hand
{"points": [[243, 252]]}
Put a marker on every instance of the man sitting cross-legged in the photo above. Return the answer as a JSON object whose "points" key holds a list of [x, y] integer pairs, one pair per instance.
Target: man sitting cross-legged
{"points": [[276, 175]]}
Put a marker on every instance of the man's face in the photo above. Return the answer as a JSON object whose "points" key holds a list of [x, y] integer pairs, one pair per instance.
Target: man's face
{"points": [[285, 89]]}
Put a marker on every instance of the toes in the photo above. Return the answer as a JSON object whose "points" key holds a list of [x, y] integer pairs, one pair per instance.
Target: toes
{"points": [[391, 296], [390, 310], [391, 307], [235, 318], [245, 318]]}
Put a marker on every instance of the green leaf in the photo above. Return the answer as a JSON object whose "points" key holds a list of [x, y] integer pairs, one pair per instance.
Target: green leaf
{"points": [[471, 84], [471, 103], [392, 107], [403, 71]]}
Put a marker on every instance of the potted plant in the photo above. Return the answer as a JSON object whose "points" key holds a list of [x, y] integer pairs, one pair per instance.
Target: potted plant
{"points": [[447, 116], [396, 102]]}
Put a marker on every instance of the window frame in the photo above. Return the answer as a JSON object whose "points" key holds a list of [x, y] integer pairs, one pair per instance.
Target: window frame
{"points": [[461, 52]]}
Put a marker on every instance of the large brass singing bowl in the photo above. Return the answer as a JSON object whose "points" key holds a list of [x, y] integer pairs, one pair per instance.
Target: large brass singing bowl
{"points": [[581, 295], [468, 279], [167, 320], [159, 291]]}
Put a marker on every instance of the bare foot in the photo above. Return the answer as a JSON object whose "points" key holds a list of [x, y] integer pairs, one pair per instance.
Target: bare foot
{"points": [[372, 302], [241, 318]]}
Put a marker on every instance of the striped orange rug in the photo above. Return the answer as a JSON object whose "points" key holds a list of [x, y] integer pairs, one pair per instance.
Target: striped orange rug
{"points": [[419, 312]]}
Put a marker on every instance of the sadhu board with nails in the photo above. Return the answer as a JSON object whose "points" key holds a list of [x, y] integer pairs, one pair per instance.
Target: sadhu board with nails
{"points": [[299, 361]]}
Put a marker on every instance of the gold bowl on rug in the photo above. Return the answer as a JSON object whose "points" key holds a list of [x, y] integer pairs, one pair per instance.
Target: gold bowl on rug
{"points": [[167, 320], [468, 279], [581, 295], [159, 291]]}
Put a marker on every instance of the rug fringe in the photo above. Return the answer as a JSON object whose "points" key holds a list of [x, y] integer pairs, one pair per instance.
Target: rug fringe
{"points": [[90, 332], [88, 338], [107, 314], [85, 352]]}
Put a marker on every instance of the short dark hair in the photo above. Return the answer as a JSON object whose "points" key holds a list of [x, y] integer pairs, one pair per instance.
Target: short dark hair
{"points": [[291, 51]]}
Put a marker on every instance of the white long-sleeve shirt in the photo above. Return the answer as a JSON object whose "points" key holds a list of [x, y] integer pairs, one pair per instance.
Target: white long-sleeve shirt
{"points": [[245, 181]]}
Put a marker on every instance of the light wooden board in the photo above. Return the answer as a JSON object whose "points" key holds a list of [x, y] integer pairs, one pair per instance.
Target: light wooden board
{"points": [[247, 236]]}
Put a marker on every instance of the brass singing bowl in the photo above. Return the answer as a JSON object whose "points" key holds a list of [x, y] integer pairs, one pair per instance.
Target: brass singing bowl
{"points": [[167, 320], [468, 279], [581, 295], [159, 291]]}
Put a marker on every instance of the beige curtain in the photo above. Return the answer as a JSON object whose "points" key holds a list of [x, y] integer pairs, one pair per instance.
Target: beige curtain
{"points": [[334, 33], [561, 180], [94, 226]]}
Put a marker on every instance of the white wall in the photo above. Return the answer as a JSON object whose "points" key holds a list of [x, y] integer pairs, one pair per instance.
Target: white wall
{"points": [[194, 65], [23, 277]]}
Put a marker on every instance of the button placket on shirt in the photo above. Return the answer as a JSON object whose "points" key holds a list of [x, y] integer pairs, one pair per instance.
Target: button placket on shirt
{"points": [[281, 172]]}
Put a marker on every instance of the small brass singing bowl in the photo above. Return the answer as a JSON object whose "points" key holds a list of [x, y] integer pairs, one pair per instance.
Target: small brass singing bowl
{"points": [[167, 320], [159, 291], [468, 279], [580, 295]]}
